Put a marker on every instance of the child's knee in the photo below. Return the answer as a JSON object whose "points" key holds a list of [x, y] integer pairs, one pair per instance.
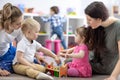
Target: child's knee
{"points": [[73, 72], [69, 72], [20, 69]]}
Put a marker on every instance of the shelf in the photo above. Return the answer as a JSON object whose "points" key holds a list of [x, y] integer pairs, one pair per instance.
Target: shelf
{"points": [[71, 35], [31, 14], [65, 35], [43, 34], [75, 17], [35, 14]]}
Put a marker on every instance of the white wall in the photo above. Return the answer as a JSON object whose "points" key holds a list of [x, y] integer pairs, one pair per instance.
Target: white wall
{"points": [[108, 3], [44, 5]]}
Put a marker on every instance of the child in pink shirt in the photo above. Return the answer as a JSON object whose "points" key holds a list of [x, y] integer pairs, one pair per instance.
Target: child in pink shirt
{"points": [[80, 66]]}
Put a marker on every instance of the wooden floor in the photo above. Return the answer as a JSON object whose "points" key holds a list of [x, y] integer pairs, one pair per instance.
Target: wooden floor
{"points": [[19, 77]]}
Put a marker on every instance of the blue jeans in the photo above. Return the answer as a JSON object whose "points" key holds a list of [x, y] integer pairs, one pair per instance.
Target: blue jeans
{"points": [[59, 32], [6, 59]]}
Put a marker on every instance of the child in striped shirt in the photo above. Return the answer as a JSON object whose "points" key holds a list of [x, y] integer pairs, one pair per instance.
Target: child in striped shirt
{"points": [[56, 22]]}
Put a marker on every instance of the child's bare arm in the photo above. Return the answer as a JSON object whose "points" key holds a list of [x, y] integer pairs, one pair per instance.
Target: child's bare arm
{"points": [[22, 60], [69, 51], [49, 53], [78, 55], [63, 51]]}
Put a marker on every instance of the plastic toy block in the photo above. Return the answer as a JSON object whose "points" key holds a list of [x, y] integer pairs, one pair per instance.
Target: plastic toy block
{"points": [[51, 72], [56, 68], [56, 73]]}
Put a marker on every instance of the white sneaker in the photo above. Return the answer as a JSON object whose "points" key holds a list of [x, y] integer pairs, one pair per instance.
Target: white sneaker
{"points": [[54, 36], [44, 76]]}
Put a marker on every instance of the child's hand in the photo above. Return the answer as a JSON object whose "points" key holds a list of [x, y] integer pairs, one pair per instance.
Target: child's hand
{"points": [[62, 54], [57, 59], [63, 51], [68, 56], [67, 52]]}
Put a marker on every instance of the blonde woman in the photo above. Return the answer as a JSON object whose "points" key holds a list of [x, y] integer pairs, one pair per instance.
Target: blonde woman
{"points": [[10, 24]]}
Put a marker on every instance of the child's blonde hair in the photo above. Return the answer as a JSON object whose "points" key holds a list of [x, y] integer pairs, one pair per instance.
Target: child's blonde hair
{"points": [[29, 24], [81, 31]]}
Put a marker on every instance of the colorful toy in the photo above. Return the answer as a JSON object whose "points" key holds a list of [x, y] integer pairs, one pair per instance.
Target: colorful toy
{"points": [[57, 71]]}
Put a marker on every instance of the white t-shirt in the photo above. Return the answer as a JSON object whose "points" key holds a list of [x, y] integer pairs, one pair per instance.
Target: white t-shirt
{"points": [[28, 49], [6, 39]]}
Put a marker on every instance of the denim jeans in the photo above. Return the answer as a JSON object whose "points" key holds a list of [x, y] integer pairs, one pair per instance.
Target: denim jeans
{"points": [[6, 59], [59, 32]]}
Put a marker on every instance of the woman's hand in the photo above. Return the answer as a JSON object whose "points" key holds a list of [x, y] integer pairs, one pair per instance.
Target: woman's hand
{"points": [[111, 78], [4, 73]]}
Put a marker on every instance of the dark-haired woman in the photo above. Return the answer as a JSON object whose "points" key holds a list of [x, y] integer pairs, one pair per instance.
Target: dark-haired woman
{"points": [[103, 38], [10, 23]]}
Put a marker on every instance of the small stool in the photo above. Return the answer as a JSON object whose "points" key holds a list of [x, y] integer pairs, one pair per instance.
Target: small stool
{"points": [[48, 44], [56, 45]]}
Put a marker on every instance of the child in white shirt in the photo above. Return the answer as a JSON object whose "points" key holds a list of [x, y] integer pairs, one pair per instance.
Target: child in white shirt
{"points": [[27, 49]]}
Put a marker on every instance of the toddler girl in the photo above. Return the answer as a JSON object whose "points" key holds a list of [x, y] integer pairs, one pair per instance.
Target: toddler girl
{"points": [[27, 49], [80, 66]]}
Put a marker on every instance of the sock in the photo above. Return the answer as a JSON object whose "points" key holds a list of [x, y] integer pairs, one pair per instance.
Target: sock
{"points": [[44, 76]]}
